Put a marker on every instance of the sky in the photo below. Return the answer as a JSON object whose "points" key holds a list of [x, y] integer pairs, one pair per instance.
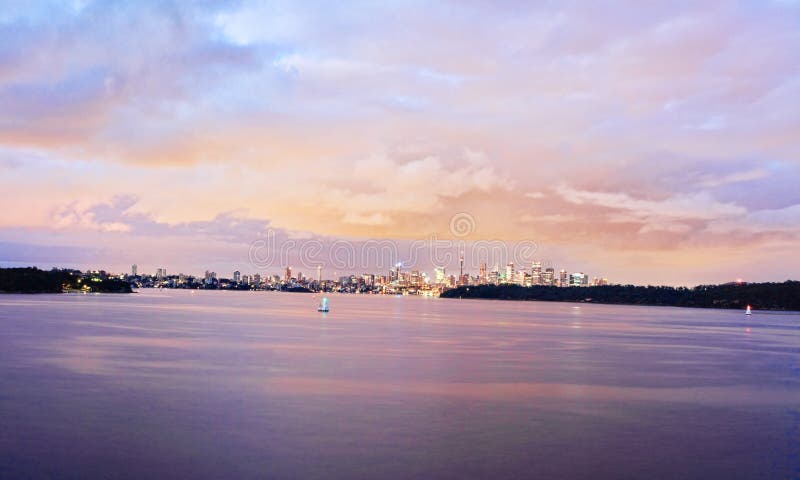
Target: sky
{"points": [[647, 142]]}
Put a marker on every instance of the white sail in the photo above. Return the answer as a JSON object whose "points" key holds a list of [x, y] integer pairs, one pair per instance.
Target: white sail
{"points": [[323, 306]]}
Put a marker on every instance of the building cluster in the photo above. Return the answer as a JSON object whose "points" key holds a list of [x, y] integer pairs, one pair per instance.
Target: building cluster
{"points": [[510, 274], [396, 281]]}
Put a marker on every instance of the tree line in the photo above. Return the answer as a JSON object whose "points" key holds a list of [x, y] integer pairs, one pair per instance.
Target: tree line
{"points": [[765, 296], [33, 280]]}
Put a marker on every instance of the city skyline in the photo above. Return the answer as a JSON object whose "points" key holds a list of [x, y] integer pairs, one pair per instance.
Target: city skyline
{"points": [[654, 143], [536, 274], [394, 281]]}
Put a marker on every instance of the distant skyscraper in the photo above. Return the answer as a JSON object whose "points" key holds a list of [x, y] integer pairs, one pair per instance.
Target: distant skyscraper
{"points": [[562, 278], [209, 277], [461, 263], [368, 279], [288, 275], [394, 275], [482, 274], [237, 276], [161, 273], [536, 273], [134, 270], [494, 276], [440, 275], [549, 276], [509, 272], [319, 274], [578, 279]]}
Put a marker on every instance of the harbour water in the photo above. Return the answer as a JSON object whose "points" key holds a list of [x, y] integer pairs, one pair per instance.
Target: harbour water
{"points": [[206, 384]]}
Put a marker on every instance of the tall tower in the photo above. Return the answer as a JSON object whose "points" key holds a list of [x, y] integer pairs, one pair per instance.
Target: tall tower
{"points": [[319, 274], [134, 270], [288, 274], [461, 262]]}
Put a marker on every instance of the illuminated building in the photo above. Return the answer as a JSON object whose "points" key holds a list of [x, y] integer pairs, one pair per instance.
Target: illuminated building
{"points": [[439, 275], [562, 278], [549, 276], [536, 273], [509, 278], [237, 276], [287, 275], [578, 279]]}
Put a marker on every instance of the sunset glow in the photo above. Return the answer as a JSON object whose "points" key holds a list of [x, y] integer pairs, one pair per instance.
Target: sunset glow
{"points": [[650, 142]]}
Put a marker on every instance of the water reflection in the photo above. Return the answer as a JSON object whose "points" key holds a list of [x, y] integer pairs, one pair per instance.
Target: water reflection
{"points": [[229, 384]]}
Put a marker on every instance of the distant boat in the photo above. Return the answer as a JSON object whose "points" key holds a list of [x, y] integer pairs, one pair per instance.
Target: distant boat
{"points": [[323, 306], [748, 312]]}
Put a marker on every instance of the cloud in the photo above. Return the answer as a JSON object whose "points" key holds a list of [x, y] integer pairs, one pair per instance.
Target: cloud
{"points": [[384, 183], [735, 177], [534, 195], [761, 222], [117, 216], [372, 220], [555, 218], [669, 214], [70, 76]]}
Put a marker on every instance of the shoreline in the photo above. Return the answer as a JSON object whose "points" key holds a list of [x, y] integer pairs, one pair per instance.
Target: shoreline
{"points": [[758, 311], [779, 297], [755, 311]]}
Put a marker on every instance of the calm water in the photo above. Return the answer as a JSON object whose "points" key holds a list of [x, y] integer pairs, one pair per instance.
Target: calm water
{"points": [[175, 384]]}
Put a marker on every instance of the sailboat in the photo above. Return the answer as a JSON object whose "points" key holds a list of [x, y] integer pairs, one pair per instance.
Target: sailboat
{"points": [[323, 305], [748, 312]]}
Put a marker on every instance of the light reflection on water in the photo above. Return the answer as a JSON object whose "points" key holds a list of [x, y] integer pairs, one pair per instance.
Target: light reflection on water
{"points": [[260, 385]]}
